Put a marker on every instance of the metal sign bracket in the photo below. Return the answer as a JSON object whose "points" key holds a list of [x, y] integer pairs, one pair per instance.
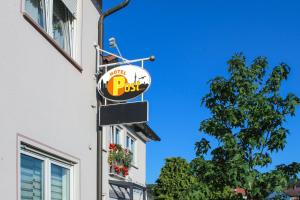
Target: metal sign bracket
{"points": [[123, 62]]}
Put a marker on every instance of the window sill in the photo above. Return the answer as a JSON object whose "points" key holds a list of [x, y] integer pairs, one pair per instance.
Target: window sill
{"points": [[52, 42], [117, 176]]}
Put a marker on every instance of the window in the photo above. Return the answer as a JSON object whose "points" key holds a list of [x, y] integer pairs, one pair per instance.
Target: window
{"points": [[36, 9], [44, 177], [57, 18], [115, 135], [32, 174], [60, 182], [130, 145]]}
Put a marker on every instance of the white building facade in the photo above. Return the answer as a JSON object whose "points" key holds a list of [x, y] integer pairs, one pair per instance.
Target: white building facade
{"points": [[48, 103], [48, 115], [131, 138]]}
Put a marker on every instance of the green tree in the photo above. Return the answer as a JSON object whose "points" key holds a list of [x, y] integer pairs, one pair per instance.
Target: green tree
{"points": [[202, 191], [248, 115], [180, 181], [175, 179], [290, 171]]}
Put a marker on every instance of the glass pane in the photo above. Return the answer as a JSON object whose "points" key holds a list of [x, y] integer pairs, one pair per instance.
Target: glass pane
{"points": [[36, 10], [31, 178], [127, 142], [62, 28], [132, 146], [60, 183], [112, 135], [117, 135]]}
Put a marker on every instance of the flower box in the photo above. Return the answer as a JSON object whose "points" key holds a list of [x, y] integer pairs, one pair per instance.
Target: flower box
{"points": [[119, 160]]}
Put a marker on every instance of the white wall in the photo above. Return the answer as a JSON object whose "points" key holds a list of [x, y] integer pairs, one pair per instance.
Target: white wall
{"points": [[137, 173], [43, 96]]}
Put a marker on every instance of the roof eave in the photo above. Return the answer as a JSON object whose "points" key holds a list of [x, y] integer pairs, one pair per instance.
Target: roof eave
{"points": [[146, 130]]}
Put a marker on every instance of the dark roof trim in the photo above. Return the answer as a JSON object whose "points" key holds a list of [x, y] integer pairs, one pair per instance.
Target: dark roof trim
{"points": [[110, 59], [146, 130]]}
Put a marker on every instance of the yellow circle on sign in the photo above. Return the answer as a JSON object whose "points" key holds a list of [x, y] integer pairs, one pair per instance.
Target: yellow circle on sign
{"points": [[116, 85]]}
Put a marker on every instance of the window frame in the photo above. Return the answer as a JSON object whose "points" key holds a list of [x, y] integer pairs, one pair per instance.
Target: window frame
{"points": [[48, 35], [47, 159], [49, 22], [113, 135], [134, 152], [70, 168], [43, 172]]}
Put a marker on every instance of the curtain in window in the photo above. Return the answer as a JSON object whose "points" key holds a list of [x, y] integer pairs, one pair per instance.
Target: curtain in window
{"points": [[62, 26], [60, 183], [127, 142], [71, 5], [31, 178], [132, 146], [36, 10], [117, 135]]}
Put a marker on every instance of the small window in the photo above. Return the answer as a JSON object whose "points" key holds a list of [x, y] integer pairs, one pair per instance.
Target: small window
{"points": [[57, 18], [130, 145], [32, 178], [60, 182], [38, 170], [37, 11], [115, 135]]}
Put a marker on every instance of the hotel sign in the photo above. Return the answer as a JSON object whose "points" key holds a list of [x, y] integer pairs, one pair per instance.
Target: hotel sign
{"points": [[124, 83]]}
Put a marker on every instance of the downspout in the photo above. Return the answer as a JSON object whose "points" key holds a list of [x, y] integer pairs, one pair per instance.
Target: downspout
{"points": [[106, 14], [99, 129]]}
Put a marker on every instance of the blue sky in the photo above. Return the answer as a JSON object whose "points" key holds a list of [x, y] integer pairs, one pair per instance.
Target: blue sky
{"points": [[192, 41]]}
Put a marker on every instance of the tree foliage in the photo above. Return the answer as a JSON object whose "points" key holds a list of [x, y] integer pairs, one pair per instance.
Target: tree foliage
{"points": [[248, 115], [175, 179]]}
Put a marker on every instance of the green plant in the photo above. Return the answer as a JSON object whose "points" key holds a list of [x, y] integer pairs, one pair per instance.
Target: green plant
{"points": [[247, 125], [248, 115], [119, 159], [175, 179]]}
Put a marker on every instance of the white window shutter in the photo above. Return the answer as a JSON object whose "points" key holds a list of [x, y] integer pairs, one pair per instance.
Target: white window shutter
{"points": [[71, 5]]}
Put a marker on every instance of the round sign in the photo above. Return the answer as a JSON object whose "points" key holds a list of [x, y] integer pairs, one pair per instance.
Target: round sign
{"points": [[124, 83]]}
